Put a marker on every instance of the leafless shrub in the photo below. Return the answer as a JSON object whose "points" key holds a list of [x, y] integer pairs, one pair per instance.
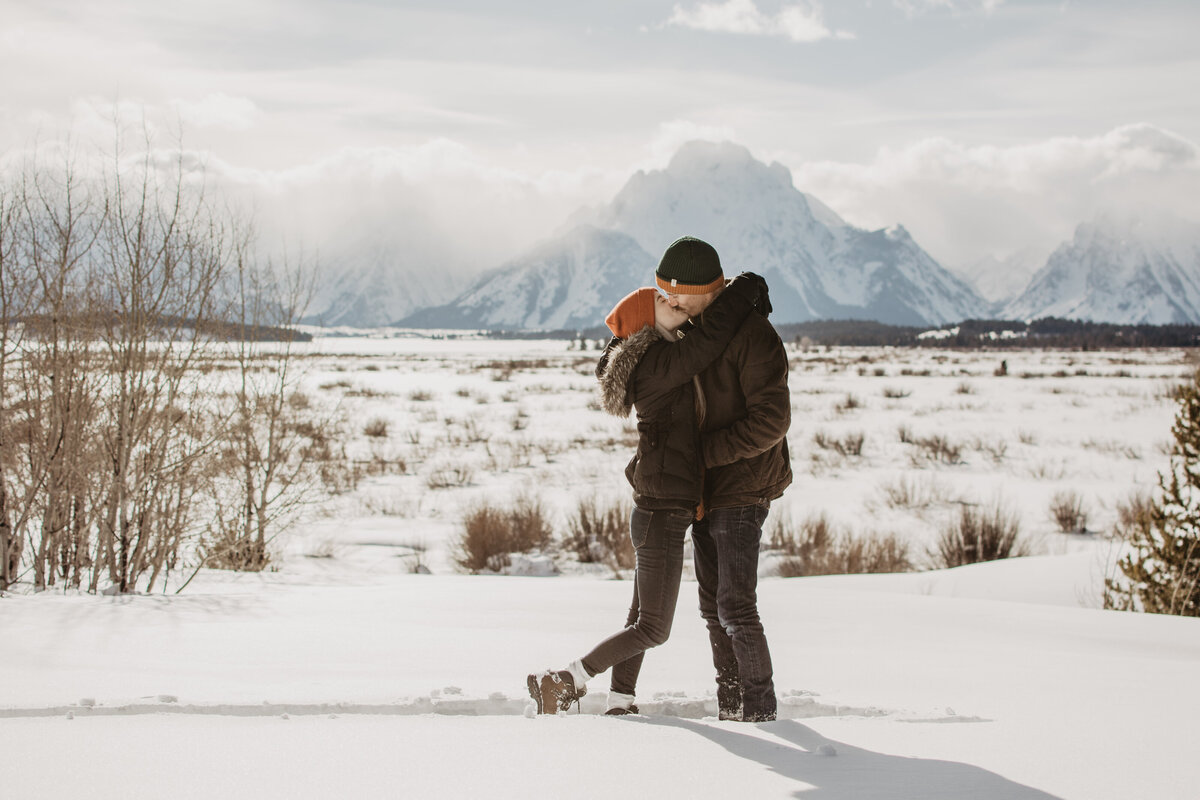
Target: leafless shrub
{"points": [[964, 388], [938, 447], [849, 445], [905, 434], [473, 430], [367, 391], [338, 475], [376, 428], [1067, 511], [995, 449], [892, 393], [549, 448], [848, 403], [506, 454], [1027, 438], [383, 463], [491, 534], [420, 395], [1134, 513], [979, 535], [448, 475], [275, 439], [388, 505], [814, 547], [326, 548], [1113, 448], [915, 492], [1047, 470], [600, 534]]}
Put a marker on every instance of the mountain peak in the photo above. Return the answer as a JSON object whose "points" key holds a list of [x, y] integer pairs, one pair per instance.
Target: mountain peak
{"points": [[1160, 229], [703, 154], [702, 158]]}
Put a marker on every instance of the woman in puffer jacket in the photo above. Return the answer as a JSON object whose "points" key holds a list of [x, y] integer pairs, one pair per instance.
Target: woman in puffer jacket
{"points": [[648, 367]]}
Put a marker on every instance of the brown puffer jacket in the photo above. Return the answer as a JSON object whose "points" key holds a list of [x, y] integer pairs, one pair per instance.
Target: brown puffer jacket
{"points": [[744, 433], [658, 378]]}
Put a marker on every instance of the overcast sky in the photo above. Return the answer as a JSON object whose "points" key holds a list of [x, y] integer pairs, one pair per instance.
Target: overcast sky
{"points": [[981, 125]]}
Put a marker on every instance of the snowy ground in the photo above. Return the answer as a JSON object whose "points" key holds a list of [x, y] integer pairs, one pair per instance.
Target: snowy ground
{"points": [[348, 675]]}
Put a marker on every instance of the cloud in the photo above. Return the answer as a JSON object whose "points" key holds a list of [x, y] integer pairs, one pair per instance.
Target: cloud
{"points": [[799, 22], [440, 201], [675, 134], [915, 8], [962, 202], [218, 110]]}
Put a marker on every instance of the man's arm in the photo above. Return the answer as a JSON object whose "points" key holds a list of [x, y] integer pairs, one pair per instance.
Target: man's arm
{"points": [[763, 377], [677, 364]]}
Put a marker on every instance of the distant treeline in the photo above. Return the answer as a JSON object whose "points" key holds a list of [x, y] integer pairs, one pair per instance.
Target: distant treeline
{"points": [[1049, 332], [976, 333], [40, 324]]}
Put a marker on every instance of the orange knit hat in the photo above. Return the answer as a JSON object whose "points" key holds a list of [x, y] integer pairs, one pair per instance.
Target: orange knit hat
{"points": [[634, 312]]}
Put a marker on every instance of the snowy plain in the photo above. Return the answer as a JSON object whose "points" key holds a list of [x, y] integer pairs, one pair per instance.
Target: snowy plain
{"points": [[345, 672]]}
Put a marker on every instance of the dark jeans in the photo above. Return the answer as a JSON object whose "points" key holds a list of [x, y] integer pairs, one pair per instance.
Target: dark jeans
{"points": [[725, 547], [658, 542]]}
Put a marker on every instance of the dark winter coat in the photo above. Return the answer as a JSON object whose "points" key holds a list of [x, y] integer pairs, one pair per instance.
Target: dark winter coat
{"points": [[658, 378], [744, 432]]}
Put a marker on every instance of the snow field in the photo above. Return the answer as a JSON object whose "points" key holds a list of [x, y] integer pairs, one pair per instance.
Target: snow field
{"points": [[485, 424], [343, 673]]}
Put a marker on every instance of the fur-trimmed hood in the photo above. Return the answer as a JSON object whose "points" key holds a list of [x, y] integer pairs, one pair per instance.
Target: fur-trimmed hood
{"points": [[616, 372]]}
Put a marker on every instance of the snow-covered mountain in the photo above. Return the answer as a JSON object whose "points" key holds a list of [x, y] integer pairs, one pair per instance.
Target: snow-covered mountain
{"points": [[818, 266], [568, 282], [1000, 280], [380, 283], [1119, 270]]}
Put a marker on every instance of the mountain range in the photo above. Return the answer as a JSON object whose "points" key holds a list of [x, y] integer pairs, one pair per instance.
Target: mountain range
{"points": [[1118, 270], [818, 265]]}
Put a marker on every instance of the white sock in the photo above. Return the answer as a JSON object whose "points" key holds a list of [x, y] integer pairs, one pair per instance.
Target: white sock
{"points": [[618, 700], [578, 673]]}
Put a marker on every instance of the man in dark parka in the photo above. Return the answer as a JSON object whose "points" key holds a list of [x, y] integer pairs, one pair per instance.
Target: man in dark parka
{"points": [[744, 442]]}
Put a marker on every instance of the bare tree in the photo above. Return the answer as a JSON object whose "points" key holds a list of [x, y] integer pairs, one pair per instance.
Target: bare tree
{"points": [[275, 435], [47, 362], [120, 459], [161, 258], [13, 304]]}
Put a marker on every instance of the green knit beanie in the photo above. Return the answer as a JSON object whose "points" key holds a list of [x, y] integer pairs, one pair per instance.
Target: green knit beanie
{"points": [[689, 266]]}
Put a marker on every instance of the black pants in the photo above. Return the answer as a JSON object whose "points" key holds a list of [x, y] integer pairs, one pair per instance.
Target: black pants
{"points": [[725, 552], [658, 542]]}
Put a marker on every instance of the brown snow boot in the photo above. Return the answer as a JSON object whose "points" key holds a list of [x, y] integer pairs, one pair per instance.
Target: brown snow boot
{"points": [[554, 691]]}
